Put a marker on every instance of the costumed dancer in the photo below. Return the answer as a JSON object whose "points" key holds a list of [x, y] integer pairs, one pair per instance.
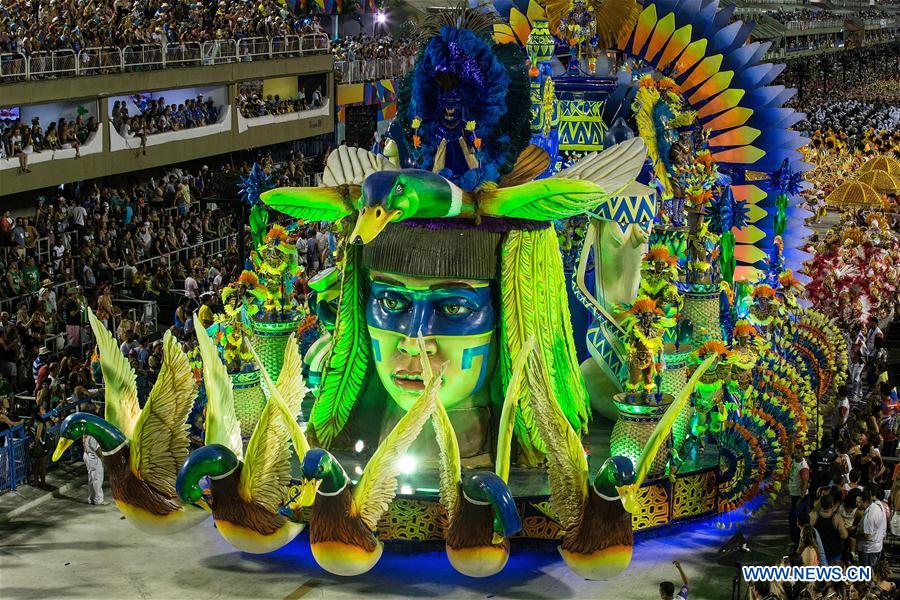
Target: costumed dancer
{"points": [[709, 393], [644, 326], [744, 356]]}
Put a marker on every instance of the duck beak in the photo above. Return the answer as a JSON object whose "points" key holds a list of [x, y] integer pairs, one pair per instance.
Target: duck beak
{"points": [[308, 493], [61, 447], [371, 221], [497, 539], [628, 495]]}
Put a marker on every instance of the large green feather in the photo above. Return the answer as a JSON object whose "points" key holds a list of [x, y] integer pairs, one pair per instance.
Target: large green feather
{"points": [[534, 302], [518, 306], [348, 363], [309, 203], [544, 199]]}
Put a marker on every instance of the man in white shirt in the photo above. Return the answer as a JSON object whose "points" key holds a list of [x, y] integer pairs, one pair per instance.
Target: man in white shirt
{"points": [[798, 486], [842, 410], [77, 214], [871, 530], [145, 236], [191, 287], [94, 466]]}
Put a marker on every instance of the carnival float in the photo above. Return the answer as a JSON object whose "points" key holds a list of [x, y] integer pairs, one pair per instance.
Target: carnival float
{"points": [[565, 308]]}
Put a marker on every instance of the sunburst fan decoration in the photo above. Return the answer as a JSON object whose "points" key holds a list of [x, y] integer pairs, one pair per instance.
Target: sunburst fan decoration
{"points": [[610, 17]]}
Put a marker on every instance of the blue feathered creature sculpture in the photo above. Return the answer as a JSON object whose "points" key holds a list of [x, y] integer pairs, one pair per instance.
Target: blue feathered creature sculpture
{"points": [[466, 105]]}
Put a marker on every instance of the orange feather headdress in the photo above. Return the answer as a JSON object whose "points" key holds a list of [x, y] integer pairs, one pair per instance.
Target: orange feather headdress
{"points": [[763, 291], [249, 279], [743, 328], [643, 305], [661, 253]]}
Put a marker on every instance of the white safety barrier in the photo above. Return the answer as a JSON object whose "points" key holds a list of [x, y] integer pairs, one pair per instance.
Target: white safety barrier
{"points": [[118, 142], [245, 123], [93, 145]]}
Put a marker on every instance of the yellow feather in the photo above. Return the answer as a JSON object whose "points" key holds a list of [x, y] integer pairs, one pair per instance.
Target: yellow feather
{"points": [[222, 425], [290, 381], [378, 485], [301, 445], [450, 468], [507, 415], [159, 445], [448, 445], [122, 408], [266, 471], [566, 462]]}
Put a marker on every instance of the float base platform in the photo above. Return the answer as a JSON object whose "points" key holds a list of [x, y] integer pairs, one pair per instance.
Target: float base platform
{"points": [[416, 514]]}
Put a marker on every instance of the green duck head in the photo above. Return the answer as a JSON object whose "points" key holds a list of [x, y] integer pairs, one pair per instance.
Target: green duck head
{"points": [[320, 466], [391, 196], [615, 478], [80, 424], [214, 460]]}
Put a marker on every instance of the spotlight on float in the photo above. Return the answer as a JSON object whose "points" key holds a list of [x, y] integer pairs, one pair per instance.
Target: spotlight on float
{"points": [[381, 18], [406, 464]]}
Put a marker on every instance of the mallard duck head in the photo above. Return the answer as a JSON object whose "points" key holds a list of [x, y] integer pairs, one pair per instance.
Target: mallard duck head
{"points": [[214, 461], [387, 196], [80, 424], [321, 467], [488, 488], [615, 481]]}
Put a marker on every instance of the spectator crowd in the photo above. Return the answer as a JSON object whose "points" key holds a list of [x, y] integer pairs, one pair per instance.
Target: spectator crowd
{"points": [[366, 48], [30, 26], [18, 140], [850, 99], [254, 105]]}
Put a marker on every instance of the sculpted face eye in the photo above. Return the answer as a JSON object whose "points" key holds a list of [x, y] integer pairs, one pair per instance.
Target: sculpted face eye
{"points": [[455, 310], [399, 189], [393, 304]]}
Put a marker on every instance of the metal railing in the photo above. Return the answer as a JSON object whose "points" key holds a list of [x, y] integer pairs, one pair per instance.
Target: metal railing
{"points": [[13, 457], [209, 248], [357, 71], [811, 25], [17, 66], [13, 67]]}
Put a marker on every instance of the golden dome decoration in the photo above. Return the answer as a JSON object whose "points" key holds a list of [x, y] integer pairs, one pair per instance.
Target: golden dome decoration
{"points": [[884, 163], [881, 181], [855, 194]]}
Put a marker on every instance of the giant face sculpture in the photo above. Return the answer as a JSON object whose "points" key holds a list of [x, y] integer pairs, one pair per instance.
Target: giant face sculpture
{"points": [[455, 317]]}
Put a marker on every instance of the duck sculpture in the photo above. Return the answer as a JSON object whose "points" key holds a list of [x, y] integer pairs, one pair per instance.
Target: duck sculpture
{"points": [[480, 508], [594, 514], [141, 450], [342, 520], [356, 180], [247, 488]]}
